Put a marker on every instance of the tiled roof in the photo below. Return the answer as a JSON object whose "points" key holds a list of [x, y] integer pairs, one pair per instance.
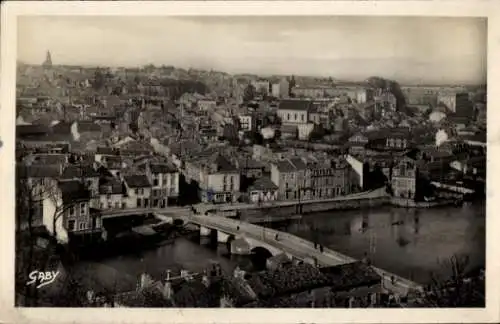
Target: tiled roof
{"points": [[284, 281], [73, 191], [79, 171], [162, 168], [49, 138], [27, 130], [111, 187], [84, 126], [137, 181], [285, 166], [37, 171], [350, 275], [49, 159], [295, 105], [106, 150], [298, 163], [263, 183], [62, 128]]}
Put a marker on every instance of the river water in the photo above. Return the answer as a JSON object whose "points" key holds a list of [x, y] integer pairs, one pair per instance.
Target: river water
{"points": [[408, 242]]}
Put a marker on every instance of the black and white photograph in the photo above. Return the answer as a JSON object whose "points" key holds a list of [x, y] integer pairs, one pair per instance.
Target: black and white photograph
{"points": [[222, 161]]}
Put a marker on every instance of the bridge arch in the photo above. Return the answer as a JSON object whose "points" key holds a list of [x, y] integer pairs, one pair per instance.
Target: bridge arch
{"points": [[261, 251]]}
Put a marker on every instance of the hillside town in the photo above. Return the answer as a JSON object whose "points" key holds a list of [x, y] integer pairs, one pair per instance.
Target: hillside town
{"points": [[96, 143]]}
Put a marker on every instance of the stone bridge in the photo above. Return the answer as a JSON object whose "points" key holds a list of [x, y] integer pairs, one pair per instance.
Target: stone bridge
{"points": [[272, 242]]}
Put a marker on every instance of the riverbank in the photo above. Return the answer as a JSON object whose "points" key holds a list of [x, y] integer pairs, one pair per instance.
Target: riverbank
{"points": [[411, 203]]}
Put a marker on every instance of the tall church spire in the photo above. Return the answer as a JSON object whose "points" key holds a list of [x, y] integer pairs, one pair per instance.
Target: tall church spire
{"points": [[48, 60]]}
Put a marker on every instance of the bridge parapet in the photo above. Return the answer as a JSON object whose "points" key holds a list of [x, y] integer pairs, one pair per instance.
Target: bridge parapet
{"points": [[299, 247]]}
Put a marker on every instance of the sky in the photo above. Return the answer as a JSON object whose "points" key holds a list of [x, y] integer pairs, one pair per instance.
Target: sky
{"points": [[407, 49]]}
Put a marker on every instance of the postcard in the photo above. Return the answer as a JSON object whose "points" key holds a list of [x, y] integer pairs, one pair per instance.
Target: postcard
{"points": [[325, 161]]}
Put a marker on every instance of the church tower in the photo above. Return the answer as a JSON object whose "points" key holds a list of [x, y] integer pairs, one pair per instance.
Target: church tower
{"points": [[48, 60]]}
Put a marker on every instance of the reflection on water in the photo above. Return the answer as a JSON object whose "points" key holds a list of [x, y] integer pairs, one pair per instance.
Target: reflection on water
{"points": [[409, 242], [122, 272]]}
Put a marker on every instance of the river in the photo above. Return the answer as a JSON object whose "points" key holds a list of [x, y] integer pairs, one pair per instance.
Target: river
{"points": [[408, 242]]}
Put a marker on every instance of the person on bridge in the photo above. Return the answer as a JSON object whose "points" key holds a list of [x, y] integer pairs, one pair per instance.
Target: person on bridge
{"points": [[276, 237], [321, 248], [237, 228]]}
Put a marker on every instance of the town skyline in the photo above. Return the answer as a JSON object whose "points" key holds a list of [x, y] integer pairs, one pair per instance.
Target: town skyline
{"points": [[454, 53]]}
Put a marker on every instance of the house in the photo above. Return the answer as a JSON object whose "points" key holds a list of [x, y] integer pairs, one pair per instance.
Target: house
{"points": [[356, 144], [249, 168], [88, 175], [262, 190], [354, 284], [207, 105], [164, 178], [389, 139], [289, 176], [67, 214], [328, 178], [111, 194], [294, 111], [404, 178], [247, 123], [137, 191], [218, 179]]}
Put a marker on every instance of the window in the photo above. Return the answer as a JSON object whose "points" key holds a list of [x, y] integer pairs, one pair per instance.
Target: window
{"points": [[82, 225], [72, 211], [142, 191], [71, 225], [117, 204], [302, 117], [136, 191], [295, 116], [165, 179], [287, 116], [155, 182], [82, 208], [139, 202]]}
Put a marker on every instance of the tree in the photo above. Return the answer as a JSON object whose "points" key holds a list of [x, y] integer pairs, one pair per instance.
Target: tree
{"points": [[460, 290]]}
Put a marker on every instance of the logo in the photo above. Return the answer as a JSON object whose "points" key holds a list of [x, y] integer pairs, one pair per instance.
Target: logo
{"points": [[42, 278]]}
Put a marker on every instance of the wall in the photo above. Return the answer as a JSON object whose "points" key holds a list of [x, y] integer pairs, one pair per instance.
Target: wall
{"points": [[259, 213]]}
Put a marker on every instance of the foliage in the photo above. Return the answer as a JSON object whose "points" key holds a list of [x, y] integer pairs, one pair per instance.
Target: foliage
{"points": [[460, 290]]}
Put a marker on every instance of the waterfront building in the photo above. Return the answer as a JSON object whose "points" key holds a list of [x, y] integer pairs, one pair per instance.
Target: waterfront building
{"points": [[289, 175], [404, 178], [67, 214], [137, 191], [111, 194], [262, 190], [328, 178], [88, 175], [217, 178], [164, 178]]}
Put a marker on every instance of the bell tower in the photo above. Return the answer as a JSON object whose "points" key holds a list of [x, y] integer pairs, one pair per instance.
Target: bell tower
{"points": [[48, 60]]}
